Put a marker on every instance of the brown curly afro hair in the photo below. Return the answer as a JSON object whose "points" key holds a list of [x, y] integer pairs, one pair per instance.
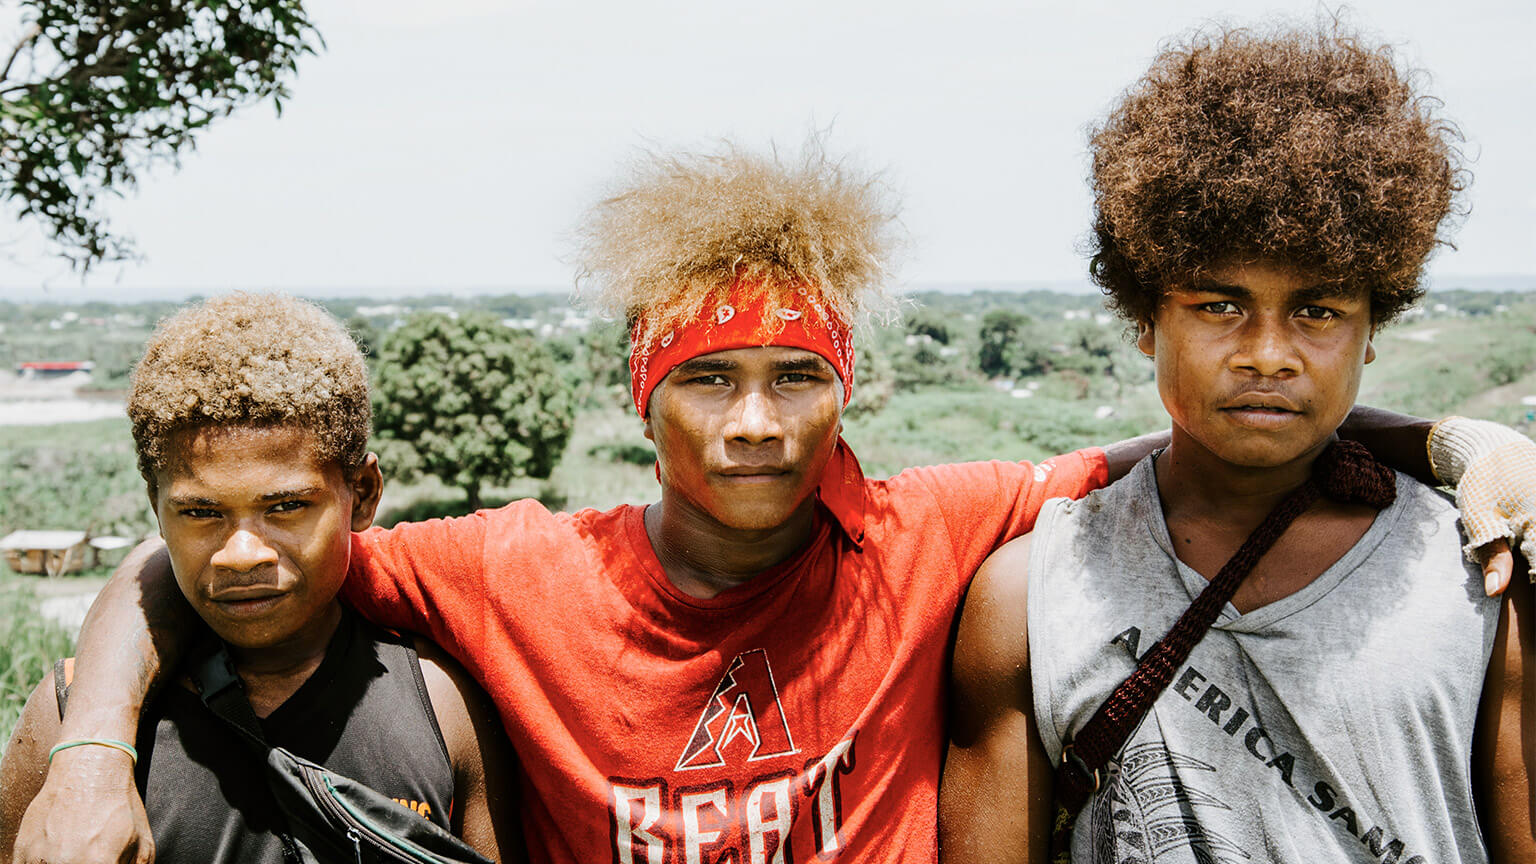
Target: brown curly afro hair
{"points": [[1302, 147], [250, 360]]}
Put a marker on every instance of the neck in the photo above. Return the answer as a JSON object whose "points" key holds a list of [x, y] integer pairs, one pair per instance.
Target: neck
{"points": [[1192, 480], [702, 557], [273, 673]]}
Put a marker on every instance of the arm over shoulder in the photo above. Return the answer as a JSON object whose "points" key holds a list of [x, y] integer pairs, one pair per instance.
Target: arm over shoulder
{"points": [[1504, 748], [995, 801], [397, 575], [485, 813], [25, 765]]}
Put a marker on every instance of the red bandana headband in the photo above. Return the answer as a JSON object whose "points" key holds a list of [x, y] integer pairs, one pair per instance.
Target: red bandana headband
{"points": [[738, 321]]}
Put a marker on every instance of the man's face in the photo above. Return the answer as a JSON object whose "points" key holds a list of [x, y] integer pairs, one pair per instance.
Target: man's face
{"points": [[1258, 363], [257, 529], [743, 435]]}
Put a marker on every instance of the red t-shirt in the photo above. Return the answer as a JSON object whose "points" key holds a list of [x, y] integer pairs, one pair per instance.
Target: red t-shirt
{"points": [[798, 715]]}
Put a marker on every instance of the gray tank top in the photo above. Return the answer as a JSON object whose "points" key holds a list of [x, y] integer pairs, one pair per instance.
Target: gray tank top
{"points": [[1331, 725]]}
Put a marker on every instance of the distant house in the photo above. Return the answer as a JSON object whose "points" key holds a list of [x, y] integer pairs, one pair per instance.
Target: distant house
{"points": [[54, 368], [53, 553]]}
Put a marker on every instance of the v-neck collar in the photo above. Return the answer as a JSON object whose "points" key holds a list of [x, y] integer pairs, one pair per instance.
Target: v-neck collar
{"points": [[1145, 476]]}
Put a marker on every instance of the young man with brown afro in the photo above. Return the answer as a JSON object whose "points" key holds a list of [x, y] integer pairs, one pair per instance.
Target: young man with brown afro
{"points": [[1265, 202], [751, 668], [250, 416]]}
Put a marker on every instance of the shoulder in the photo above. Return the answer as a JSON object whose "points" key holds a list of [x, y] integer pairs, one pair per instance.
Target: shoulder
{"points": [[452, 693], [24, 764], [993, 639], [464, 712]]}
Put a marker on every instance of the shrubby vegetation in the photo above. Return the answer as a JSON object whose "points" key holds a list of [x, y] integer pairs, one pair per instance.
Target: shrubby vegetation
{"points": [[29, 645]]}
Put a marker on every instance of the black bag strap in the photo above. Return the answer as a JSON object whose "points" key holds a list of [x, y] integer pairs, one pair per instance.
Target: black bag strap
{"points": [[219, 686], [329, 817]]}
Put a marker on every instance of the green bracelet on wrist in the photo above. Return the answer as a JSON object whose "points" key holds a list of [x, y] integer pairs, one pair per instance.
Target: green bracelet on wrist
{"points": [[100, 742]]}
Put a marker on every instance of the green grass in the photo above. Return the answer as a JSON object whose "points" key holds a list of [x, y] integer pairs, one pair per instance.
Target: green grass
{"points": [[28, 647], [72, 476]]}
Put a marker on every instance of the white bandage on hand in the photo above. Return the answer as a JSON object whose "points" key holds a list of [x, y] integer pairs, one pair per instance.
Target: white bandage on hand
{"points": [[1493, 468]]}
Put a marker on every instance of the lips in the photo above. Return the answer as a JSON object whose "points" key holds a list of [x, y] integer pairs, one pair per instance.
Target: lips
{"points": [[245, 602], [753, 471], [1273, 402]]}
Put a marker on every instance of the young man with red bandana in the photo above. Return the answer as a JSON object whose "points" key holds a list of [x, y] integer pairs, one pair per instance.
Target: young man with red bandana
{"points": [[751, 669]]}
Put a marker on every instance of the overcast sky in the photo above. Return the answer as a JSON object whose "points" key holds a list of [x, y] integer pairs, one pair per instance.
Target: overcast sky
{"points": [[451, 144]]}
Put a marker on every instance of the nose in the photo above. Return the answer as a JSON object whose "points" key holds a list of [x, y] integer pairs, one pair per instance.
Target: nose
{"points": [[243, 551], [1265, 347], [753, 418]]}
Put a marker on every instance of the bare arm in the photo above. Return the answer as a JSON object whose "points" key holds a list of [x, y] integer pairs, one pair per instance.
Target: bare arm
{"points": [[1400, 440], [88, 809], [1504, 750], [26, 762], [1122, 456], [995, 802], [485, 812]]}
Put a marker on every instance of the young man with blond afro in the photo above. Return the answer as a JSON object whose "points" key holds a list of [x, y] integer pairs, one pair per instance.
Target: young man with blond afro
{"points": [[751, 668], [250, 416], [1336, 709]]}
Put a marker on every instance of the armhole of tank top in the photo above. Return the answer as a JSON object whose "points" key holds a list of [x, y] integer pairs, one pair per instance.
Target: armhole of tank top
{"points": [[1041, 669], [63, 676], [408, 643]]}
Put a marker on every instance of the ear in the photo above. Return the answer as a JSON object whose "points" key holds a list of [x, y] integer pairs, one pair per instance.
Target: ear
{"points": [[1370, 348], [367, 486], [1146, 338], [645, 424], [154, 506]]}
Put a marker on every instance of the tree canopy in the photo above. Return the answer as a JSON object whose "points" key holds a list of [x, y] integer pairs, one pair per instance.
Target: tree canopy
{"points": [[94, 91], [470, 401]]}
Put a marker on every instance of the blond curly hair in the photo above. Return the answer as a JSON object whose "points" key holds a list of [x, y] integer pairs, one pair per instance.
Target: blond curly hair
{"points": [[1305, 145], [681, 229], [250, 360]]}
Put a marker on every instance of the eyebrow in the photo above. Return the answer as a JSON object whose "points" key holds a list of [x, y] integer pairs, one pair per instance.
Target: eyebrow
{"points": [[280, 495], [1309, 294], [704, 366], [813, 363], [291, 493]]}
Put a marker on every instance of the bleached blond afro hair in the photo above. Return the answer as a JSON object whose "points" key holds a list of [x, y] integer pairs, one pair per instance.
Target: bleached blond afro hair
{"points": [[1309, 146], [251, 360], [680, 229]]}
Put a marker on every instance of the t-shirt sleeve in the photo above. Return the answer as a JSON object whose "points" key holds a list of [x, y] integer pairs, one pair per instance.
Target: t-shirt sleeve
{"points": [[986, 504], [420, 576]]}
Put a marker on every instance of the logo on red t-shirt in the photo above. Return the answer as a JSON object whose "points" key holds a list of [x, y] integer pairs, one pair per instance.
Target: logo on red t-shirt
{"points": [[742, 720]]}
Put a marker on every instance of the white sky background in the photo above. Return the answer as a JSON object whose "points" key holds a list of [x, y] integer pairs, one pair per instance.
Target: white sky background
{"points": [[451, 144]]}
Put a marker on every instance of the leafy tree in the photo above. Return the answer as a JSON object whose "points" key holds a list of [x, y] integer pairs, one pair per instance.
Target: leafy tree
{"points": [[928, 322], [1000, 329], [97, 90], [469, 401]]}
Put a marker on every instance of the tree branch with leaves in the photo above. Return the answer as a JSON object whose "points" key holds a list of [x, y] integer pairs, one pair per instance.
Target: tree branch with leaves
{"points": [[93, 93]]}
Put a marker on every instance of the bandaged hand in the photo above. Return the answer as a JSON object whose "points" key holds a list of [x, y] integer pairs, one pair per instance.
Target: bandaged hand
{"points": [[1493, 468]]}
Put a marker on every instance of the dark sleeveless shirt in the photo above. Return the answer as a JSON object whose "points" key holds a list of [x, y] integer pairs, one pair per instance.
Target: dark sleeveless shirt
{"points": [[364, 713]]}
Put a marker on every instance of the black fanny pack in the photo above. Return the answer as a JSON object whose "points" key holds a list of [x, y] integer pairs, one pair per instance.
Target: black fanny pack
{"points": [[331, 819]]}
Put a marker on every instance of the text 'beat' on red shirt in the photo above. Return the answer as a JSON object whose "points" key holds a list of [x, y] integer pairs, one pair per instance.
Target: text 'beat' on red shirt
{"points": [[799, 715]]}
